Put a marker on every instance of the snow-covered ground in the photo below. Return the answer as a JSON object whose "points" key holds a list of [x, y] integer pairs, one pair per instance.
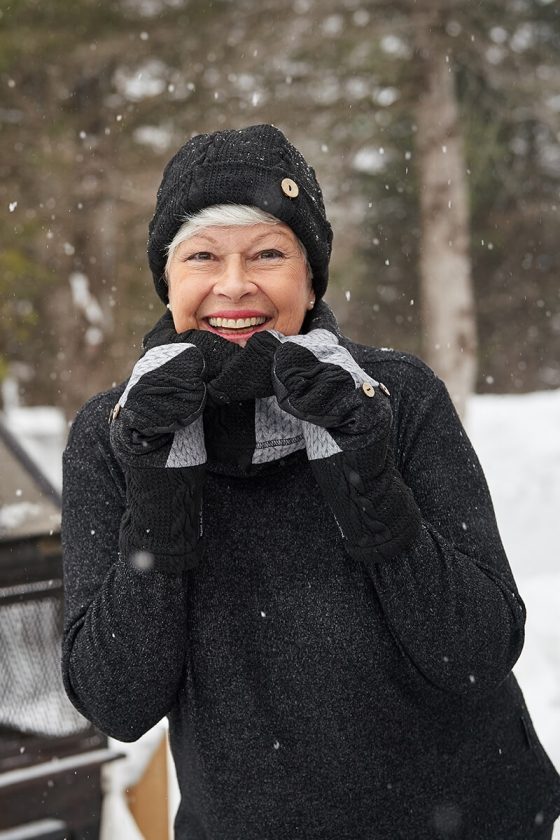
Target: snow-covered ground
{"points": [[42, 432], [518, 442]]}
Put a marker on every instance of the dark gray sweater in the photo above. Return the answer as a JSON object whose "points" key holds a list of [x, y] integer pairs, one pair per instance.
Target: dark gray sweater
{"points": [[310, 695]]}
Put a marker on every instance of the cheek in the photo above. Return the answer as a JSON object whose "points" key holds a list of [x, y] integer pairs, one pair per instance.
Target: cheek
{"points": [[183, 322], [292, 310], [185, 301]]}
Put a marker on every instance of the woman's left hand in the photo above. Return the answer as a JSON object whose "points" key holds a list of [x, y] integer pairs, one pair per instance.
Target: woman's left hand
{"points": [[318, 381], [347, 421]]}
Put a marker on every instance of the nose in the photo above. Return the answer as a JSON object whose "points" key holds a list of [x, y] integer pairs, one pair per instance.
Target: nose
{"points": [[233, 280]]}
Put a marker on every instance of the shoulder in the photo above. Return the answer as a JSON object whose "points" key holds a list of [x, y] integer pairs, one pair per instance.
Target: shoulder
{"points": [[91, 423], [97, 409], [88, 457], [419, 398]]}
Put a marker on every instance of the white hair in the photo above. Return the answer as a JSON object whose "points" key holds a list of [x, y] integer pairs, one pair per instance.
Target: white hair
{"points": [[224, 215]]}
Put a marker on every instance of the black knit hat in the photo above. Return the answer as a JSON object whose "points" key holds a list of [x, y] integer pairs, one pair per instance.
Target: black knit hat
{"points": [[255, 166]]}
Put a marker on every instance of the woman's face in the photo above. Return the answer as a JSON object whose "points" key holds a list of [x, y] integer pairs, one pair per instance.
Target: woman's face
{"points": [[235, 281]]}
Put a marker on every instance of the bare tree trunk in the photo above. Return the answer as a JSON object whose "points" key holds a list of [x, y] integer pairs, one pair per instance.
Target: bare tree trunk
{"points": [[447, 304]]}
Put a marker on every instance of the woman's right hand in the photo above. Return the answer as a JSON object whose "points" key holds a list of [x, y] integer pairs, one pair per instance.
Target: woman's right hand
{"points": [[157, 421], [157, 434]]}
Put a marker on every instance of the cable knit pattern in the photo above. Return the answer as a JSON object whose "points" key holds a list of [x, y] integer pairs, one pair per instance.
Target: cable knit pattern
{"points": [[319, 381], [188, 448], [163, 518], [151, 361], [319, 443], [277, 434], [325, 347]]}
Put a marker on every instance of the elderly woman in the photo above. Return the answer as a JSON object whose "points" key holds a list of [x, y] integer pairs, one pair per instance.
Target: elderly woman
{"points": [[284, 542]]}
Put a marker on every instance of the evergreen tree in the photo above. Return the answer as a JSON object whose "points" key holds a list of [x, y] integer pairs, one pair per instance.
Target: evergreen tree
{"points": [[97, 95]]}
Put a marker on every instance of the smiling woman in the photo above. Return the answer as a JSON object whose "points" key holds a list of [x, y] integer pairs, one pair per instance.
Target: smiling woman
{"points": [[235, 270], [284, 542]]}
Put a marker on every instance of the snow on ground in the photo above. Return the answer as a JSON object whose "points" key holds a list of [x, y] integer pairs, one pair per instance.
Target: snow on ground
{"points": [[41, 431], [517, 439]]}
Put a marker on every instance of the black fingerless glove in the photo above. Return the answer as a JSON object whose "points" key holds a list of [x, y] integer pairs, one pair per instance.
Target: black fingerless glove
{"points": [[346, 417], [157, 435]]}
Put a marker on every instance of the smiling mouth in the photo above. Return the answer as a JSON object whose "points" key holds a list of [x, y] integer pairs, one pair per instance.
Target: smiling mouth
{"points": [[236, 325]]}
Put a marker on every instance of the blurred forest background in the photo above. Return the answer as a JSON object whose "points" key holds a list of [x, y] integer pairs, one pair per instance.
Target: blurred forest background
{"points": [[97, 95]]}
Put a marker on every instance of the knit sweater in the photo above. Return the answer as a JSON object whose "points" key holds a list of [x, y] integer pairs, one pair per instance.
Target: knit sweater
{"points": [[310, 694]]}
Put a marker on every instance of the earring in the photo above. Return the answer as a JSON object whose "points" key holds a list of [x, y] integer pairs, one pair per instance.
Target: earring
{"points": [[311, 304], [169, 306]]}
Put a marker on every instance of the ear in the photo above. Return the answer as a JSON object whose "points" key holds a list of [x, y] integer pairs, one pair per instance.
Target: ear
{"points": [[312, 297]]}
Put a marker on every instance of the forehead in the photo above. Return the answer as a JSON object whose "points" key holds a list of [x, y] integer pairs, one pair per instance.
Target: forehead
{"points": [[243, 236]]}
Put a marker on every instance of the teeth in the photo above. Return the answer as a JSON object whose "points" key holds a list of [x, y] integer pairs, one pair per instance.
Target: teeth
{"points": [[236, 323]]}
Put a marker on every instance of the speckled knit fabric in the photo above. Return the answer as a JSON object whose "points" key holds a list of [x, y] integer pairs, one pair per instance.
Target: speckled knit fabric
{"points": [[311, 694]]}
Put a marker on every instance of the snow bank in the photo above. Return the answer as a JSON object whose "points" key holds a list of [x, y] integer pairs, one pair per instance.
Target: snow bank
{"points": [[42, 432], [517, 439]]}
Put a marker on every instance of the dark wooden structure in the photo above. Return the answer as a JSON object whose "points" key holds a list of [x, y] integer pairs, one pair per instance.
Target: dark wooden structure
{"points": [[50, 756]]}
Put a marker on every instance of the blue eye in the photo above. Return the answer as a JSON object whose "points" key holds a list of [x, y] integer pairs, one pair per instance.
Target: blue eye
{"points": [[201, 256], [271, 254]]}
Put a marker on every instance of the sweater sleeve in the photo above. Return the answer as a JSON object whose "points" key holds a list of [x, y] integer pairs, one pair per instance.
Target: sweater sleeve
{"points": [[450, 599], [125, 623]]}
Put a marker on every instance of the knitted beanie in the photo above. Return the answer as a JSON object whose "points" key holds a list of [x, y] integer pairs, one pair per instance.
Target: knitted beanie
{"points": [[254, 166]]}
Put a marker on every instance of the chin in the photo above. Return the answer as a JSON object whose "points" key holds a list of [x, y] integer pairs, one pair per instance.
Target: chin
{"points": [[241, 342]]}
